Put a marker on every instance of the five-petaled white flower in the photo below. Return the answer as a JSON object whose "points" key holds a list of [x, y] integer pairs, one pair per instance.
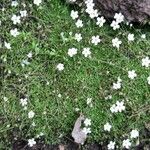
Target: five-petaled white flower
{"points": [[78, 37], [107, 127], [86, 130], [87, 122], [120, 106], [23, 101], [72, 52], [37, 2], [132, 74], [14, 3], [126, 143], [31, 114], [14, 32], [23, 13], [7, 45], [100, 21], [74, 14], [31, 142], [143, 36], [130, 37], [95, 40], [116, 42], [86, 52], [134, 134], [119, 17], [60, 66], [111, 145], [15, 19], [115, 25], [146, 62], [79, 23]]}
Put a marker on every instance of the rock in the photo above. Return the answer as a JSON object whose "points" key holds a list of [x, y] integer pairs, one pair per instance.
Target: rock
{"points": [[133, 10]]}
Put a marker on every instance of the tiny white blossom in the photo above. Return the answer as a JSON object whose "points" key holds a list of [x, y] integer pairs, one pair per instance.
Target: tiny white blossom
{"points": [[29, 55], [87, 122], [31, 114], [93, 13], [86, 130], [37, 2], [60, 66], [78, 37], [23, 101], [130, 37], [126, 143], [74, 14], [113, 108], [115, 25], [14, 3], [5, 99], [100, 21], [119, 17], [117, 85], [134, 134], [15, 19], [120, 106], [132, 74], [143, 36], [86, 52], [146, 62], [111, 145], [79, 23], [72, 52], [95, 40], [23, 13], [7, 45], [14, 32], [31, 142], [89, 102], [116, 42], [107, 127]]}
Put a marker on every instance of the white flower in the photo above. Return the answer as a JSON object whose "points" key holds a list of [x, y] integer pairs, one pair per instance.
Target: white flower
{"points": [[5, 99], [143, 36], [37, 2], [120, 106], [24, 62], [113, 108], [134, 134], [15, 19], [60, 66], [14, 3], [72, 52], [78, 37], [148, 80], [74, 14], [116, 42], [117, 85], [23, 13], [119, 17], [132, 74], [126, 143], [111, 145], [95, 40], [86, 130], [130, 37], [93, 13], [29, 55], [31, 114], [14, 32], [86, 52], [146, 62], [107, 127], [23, 101], [87, 122], [79, 23], [89, 101], [31, 142], [7, 45], [115, 25], [100, 21]]}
